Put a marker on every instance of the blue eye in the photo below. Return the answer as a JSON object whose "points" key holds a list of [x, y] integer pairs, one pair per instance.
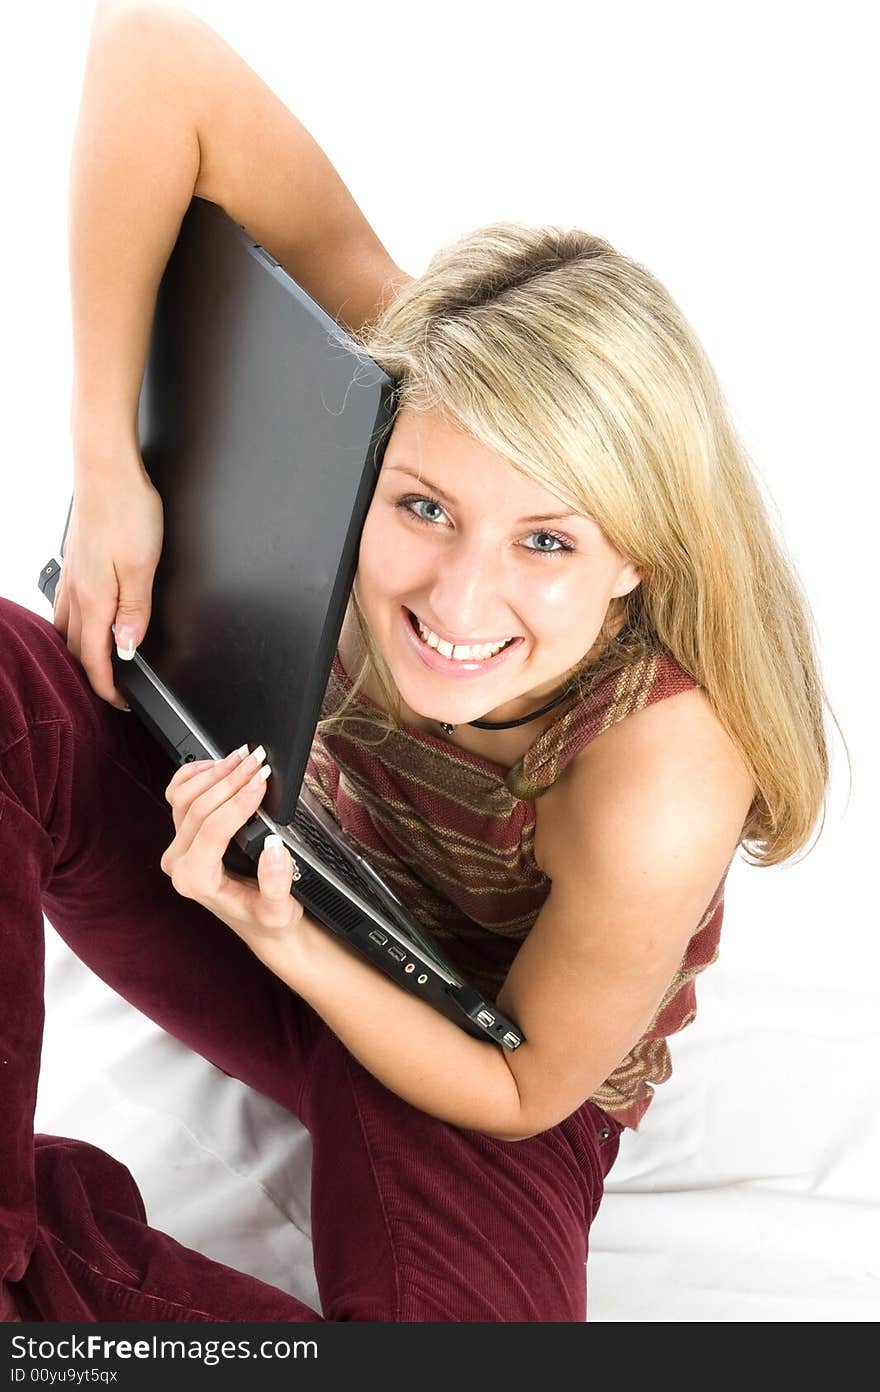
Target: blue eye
{"points": [[557, 547], [411, 505]]}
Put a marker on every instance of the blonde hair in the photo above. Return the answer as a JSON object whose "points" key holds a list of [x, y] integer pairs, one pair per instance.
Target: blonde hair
{"points": [[572, 361]]}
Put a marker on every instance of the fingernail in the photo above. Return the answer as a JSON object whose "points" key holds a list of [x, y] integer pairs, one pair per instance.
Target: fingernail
{"points": [[274, 848], [260, 776], [228, 761], [125, 643]]}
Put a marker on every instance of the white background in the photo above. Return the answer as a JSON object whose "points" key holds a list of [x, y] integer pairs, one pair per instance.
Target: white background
{"points": [[730, 149]]}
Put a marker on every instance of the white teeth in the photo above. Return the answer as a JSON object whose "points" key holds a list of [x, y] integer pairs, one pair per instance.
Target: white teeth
{"points": [[460, 652]]}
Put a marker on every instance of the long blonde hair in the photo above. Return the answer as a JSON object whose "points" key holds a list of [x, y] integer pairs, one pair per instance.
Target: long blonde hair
{"points": [[572, 361]]}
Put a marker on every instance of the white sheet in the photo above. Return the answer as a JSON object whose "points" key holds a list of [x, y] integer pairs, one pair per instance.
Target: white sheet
{"points": [[749, 1195]]}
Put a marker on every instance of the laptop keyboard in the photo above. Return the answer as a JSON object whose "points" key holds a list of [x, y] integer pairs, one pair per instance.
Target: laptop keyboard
{"points": [[315, 837], [329, 854]]}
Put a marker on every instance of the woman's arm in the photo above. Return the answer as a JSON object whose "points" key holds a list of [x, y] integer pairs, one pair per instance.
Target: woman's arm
{"points": [[170, 112], [642, 828], [636, 838], [414, 1050]]}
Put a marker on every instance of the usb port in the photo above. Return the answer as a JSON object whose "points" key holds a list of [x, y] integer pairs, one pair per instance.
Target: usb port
{"points": [[397, 953], [510, 1040], [484, 1018], [378, 937]]}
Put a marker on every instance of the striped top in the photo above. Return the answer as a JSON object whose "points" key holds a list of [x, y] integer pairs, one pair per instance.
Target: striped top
{"points": [[454, 836]]}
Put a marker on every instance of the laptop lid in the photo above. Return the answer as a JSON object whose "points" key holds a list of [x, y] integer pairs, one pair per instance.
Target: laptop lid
{"points": [[262, 427]]}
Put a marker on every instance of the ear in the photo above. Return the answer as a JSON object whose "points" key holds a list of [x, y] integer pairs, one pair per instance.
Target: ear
{"points": [[627, 579]]}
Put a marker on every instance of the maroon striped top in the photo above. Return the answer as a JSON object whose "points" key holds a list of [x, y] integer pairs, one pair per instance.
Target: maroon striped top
{"points": [[454, 835]]}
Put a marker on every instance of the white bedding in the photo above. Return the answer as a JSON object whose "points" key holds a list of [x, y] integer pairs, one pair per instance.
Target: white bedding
{"points": [[749, 1194]]}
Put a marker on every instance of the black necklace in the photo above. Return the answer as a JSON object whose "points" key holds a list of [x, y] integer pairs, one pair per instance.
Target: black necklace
{"points": [[510, 724]]}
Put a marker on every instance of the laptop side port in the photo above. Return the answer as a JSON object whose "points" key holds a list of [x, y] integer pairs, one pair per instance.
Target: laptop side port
{"points": [[378, 937], [485, 1019], [510, 1040], [397, 953]]}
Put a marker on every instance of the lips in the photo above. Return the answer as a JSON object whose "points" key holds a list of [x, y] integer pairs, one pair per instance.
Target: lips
{"points": [[435, 661]]}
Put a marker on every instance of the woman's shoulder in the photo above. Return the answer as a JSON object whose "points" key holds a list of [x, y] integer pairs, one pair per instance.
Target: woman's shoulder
{"points": [[630, 684], [668, 752]]}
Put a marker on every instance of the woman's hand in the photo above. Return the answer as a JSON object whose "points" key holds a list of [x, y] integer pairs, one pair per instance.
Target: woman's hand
{"points": [[111, 552], [212, 800]]}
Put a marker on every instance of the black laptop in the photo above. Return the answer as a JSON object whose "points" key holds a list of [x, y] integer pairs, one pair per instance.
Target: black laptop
{"points": [[262, 426]]}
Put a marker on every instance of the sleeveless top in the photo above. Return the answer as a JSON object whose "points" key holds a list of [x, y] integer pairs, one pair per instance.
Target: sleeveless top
{"points": [[454, 836]]}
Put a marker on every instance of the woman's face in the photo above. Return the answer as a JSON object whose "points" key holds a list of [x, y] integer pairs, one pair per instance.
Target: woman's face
{"points": [[459, 548]]}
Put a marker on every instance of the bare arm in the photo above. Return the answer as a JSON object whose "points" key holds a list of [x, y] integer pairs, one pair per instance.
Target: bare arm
{"points": [[168, 112]]}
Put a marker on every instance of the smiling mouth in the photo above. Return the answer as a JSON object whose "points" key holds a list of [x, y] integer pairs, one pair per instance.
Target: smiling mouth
{"points": [[458, 652]]}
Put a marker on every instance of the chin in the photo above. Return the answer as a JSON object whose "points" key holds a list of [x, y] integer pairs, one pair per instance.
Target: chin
{"points": [[450, 709]]}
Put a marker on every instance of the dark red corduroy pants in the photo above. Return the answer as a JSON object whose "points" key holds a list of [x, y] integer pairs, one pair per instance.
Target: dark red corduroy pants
{"points": [[412, 1219]]}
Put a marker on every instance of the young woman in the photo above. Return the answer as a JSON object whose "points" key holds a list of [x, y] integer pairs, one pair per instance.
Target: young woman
{"points": [[575, 677]]}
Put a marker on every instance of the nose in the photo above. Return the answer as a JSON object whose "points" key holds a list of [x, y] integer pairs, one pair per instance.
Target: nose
{"points": [[464, 592]]}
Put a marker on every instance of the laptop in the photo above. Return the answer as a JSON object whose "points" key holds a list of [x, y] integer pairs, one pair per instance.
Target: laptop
{"points": [[262, 426]]}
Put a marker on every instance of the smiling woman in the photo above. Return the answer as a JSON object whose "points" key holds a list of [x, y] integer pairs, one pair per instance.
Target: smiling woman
{"points": [[576, 675]]}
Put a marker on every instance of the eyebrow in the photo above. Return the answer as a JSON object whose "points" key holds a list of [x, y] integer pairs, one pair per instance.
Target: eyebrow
{"points": [[426, 483]]}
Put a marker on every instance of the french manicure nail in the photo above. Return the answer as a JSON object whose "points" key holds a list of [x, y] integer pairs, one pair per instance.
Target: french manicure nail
{"points": [[260, 776], [230, 760]]}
